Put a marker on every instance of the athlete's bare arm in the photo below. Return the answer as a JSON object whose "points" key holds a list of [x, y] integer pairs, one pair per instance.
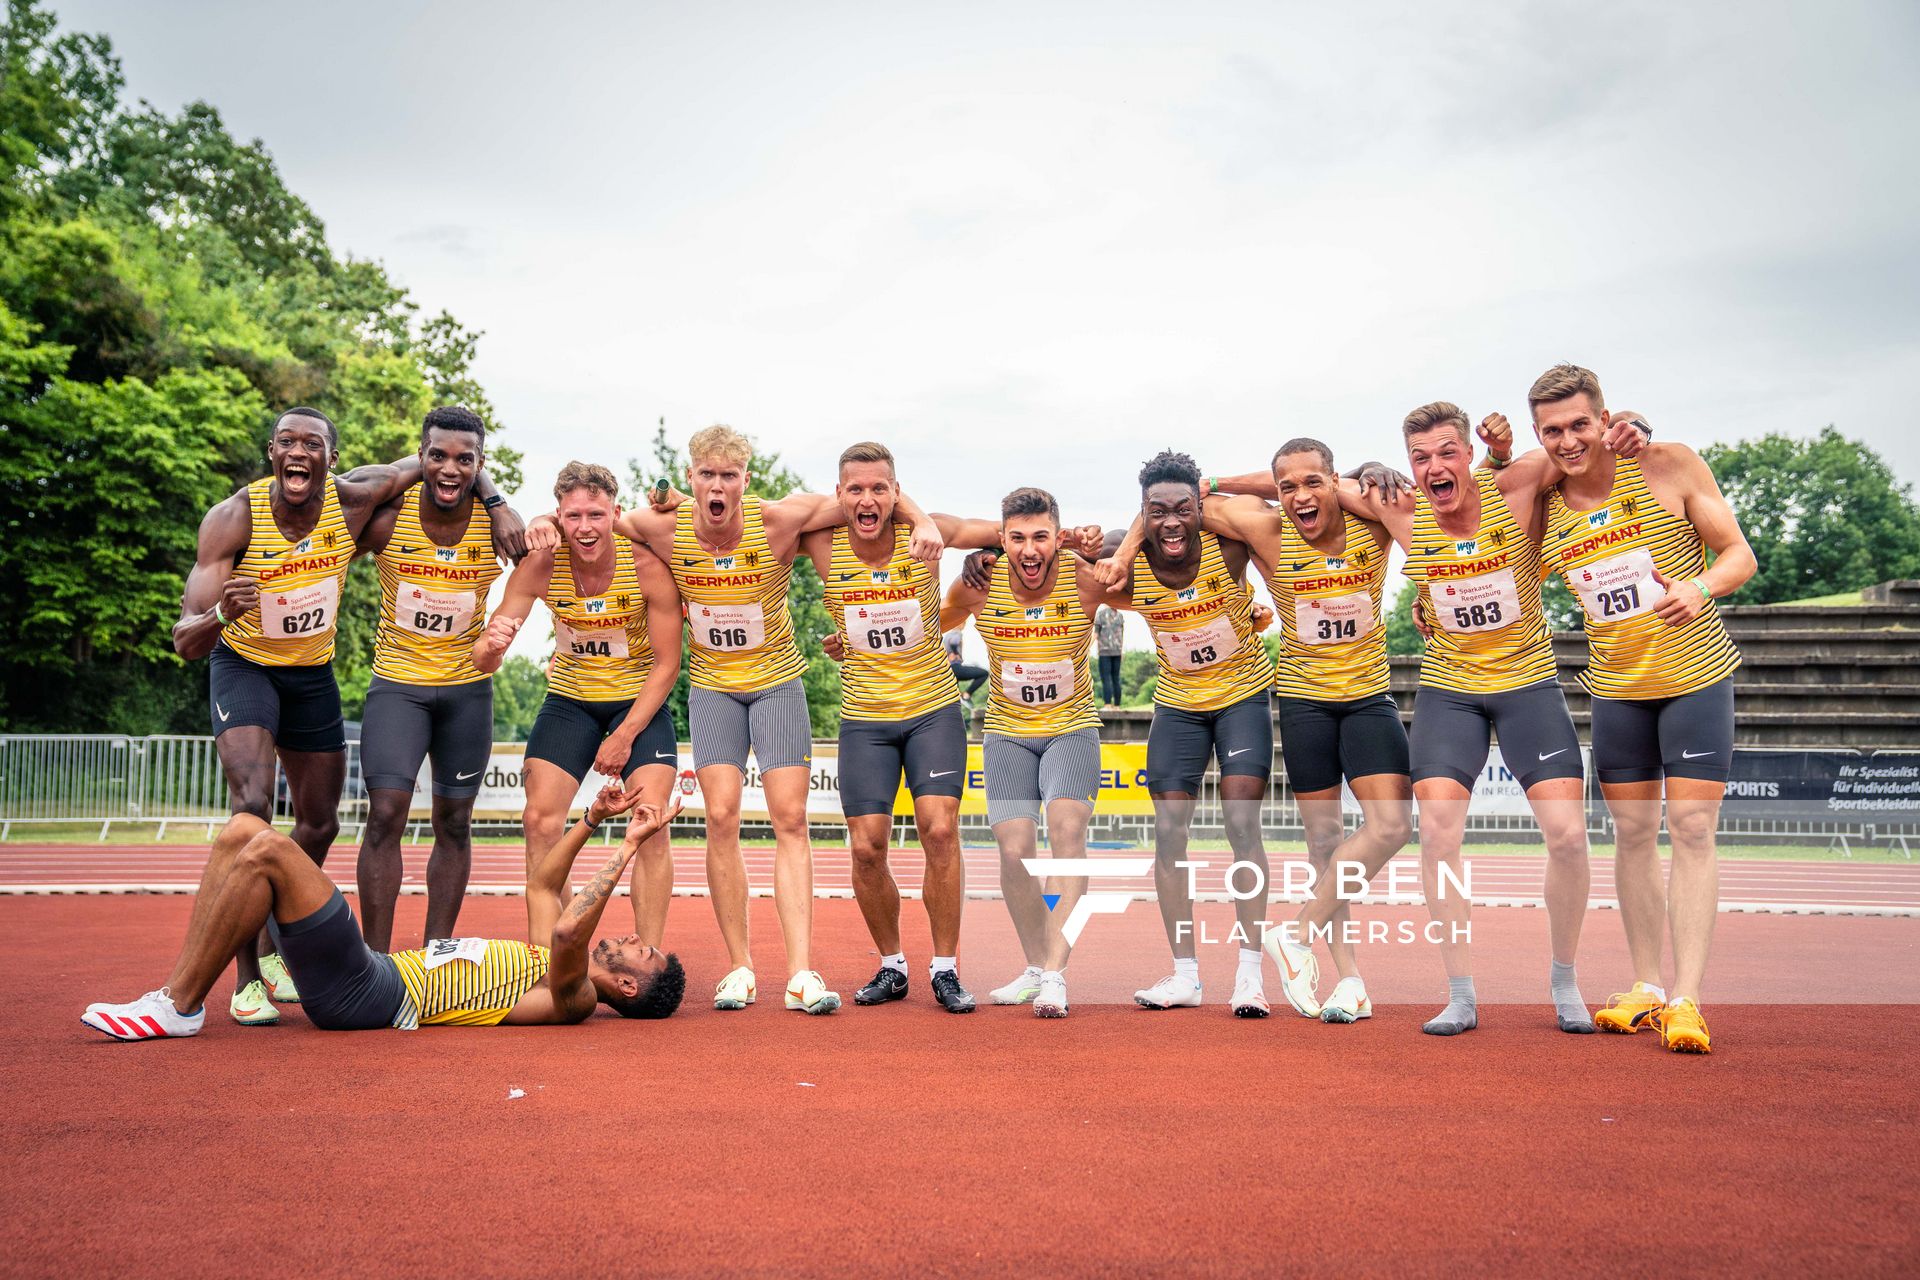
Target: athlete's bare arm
{"points": [[663, 636], [1370, 503], [1681, 480], [961, 603], [364, 490], [568, 994], [213, 594], [1093, 591], [792, 517], [526, 584], [379, 531]]}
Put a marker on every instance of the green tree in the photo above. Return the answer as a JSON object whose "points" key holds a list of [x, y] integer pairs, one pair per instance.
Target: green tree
{"points": [[1823, 516], [806, 601], [519, 687], [1402, 636], [1139, 677]]}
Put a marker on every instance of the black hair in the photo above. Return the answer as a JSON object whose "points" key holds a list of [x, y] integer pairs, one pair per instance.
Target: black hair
{"points": [[454, 417], [302, 411], [1029, 502], [656, 999], [1303, 444], [1170, 467]]}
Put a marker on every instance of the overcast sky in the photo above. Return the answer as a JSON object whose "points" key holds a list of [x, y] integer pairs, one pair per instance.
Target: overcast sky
{"points": [[1038, 243]]}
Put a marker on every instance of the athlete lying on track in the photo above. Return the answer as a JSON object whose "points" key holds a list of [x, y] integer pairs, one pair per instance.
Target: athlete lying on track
{"points": [[258, 876]]}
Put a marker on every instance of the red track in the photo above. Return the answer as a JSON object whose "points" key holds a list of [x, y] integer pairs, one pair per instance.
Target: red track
{"points": [[1863, 888], [901, 1140]]}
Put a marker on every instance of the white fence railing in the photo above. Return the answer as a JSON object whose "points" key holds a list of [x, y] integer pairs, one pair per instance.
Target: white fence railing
{"points": [[99, 780]]}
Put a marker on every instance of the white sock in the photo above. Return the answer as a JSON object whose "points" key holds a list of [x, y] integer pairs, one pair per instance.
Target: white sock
{"points": [[941, 964], [1250, 960], [898, 963], [1052, 973], [1658, 993], [1188, 969]]}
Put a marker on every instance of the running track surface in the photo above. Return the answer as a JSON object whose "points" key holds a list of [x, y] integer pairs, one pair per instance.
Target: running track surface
{"points": [[1833, 887], [902, 1140]]}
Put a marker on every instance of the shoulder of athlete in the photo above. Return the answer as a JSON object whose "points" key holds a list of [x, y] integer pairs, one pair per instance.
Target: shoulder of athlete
{"points": [[226, 526], [1527, 476], [373, 539]]}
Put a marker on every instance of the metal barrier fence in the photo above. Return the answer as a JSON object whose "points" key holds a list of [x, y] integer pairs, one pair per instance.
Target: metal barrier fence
{"points": [[171, 779]]}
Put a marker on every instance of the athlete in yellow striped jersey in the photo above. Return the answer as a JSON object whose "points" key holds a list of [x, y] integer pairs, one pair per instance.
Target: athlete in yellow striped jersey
{"points": [[899, 714], [256, 876], [731, 554], [1631, 536], [1472, 540], [1213, 700], [262, 604], [434, 549], [1327, 570], [1034, 607], [616, 655]]}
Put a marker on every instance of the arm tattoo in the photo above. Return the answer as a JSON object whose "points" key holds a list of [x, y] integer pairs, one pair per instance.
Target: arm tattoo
{"points": [[597, 891]]}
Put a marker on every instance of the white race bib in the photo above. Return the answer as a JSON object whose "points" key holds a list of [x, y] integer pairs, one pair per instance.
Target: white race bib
{"points": [[1616, 588], [1486, 603], [1036, 684], [890, 627], [299, 612], [427, 612], [728, 628], [1332, 619], [447, 950], [590, 643], [1202, 647]]}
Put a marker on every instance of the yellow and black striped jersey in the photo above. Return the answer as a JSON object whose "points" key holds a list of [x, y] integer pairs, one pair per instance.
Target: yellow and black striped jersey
{"points": [[736, 607], [1333, 636], [889, 623], [602, 649], [433, 599], [1037, 656], [1608, 557], [1489, 632], [466, 982], [296, 620], [1210, 655]]}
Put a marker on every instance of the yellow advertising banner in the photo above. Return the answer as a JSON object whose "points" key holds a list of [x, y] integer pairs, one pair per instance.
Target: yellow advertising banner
{"points": [[1123, 782]]}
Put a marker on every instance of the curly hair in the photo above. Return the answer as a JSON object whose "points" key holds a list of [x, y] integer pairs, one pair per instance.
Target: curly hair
{"points": [[1168, 467], [453, 417], [656, 999]]}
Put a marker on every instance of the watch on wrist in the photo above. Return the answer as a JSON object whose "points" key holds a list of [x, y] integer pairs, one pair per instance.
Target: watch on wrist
{"points": [[1641, 423], [491, 502]]}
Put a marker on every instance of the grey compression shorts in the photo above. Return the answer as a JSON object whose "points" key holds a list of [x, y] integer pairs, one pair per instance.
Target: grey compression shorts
{"points": [[344, 984], [1688, 736], [404, 724], [772, 723], [1537, 740], [1024, 775]]}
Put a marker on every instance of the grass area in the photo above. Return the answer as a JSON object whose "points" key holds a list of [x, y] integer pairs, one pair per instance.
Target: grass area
{"points": [[191, 834], [1842, 598]]}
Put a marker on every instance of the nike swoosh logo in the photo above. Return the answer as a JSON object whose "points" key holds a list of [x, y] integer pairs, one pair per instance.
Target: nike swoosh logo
{"points": [[224, 715], [684, 560], [944, 773], [1242, 751], [1548, 755], [462, 777], [1286, 963], [1695, 755], [407, 551], [664, 755], [247, 1012], [848, 577], [1151, 599]]}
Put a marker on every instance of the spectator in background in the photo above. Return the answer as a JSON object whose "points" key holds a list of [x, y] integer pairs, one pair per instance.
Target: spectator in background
{"points": [[1109, 633], [969, 676]]}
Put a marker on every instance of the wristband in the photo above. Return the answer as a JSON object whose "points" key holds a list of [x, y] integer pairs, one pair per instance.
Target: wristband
{"points": [[225, 621], [1497, 463], [586, 820], [494, 501], [1211, 484], [1700, 584]]}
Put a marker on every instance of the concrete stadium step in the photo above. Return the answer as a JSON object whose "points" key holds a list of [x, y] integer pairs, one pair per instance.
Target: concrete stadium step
{"points": [[1749, 619]]}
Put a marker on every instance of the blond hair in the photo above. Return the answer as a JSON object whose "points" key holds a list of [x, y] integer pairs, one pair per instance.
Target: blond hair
{"points": [[721, 443], [586, 475], [1563, 382], [866, 451], [1438, 414]]}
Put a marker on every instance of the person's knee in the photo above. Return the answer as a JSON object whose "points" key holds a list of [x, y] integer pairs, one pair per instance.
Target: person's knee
{"points": [[318, 830], [869, 848], [1242, 822], [1692, 831], [453, 826], [939, 835], [1323, 837], [1391, 825], [263, 853], [541, 820], [252, 796], [386, 819]]}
